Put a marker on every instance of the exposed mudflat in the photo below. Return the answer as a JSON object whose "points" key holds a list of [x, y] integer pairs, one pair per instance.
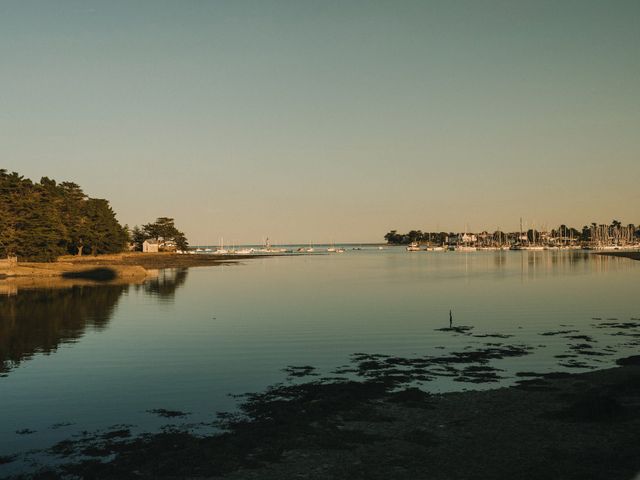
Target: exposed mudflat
{"points": [[157, 260], [552, 426]]}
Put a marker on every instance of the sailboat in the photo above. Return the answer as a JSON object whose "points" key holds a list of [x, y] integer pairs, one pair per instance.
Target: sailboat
{"points": [[534, 245], [465, 247], [221, 250], [433, 248], [413, 247]]}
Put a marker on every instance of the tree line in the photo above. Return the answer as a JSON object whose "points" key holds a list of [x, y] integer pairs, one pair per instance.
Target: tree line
{"points": [[586, 234], [42, 220]]}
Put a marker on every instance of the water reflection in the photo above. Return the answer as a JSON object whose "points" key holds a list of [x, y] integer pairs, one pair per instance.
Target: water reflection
{"points": [[39, 320], [535, 264], [164, 283]]}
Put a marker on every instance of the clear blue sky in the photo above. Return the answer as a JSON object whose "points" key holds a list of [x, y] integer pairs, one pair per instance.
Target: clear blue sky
{"points": [[328, 120]]}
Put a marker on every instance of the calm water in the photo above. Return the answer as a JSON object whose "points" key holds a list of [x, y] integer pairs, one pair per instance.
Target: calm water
{"points": [[87, 358]]}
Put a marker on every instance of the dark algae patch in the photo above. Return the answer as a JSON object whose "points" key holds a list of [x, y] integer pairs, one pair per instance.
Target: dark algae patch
{"points": [[463, 329], [304, 371], [411, 397], [492, 335], [55, 426], [121, 433], [163, 412], [585, 338], [471, 365], [591, 407], [558, 332], [422, 437], [632, 360]]}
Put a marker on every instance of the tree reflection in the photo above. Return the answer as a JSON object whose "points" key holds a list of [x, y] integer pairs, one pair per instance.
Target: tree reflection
{"points": [[165, 283], [37, 321]]}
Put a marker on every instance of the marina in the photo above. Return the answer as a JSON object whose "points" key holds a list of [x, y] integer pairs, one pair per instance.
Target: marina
{"points": [[599, 237]]}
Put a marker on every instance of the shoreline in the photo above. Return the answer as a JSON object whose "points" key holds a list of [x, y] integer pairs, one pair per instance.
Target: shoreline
{"points": [[136, 265], [631, 255], [132, 266], [556, 426]]}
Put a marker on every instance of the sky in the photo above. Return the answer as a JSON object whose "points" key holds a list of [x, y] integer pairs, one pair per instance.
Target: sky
{"points": [[328, 120]]}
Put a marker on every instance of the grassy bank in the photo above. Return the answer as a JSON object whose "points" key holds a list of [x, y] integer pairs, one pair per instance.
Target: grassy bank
{"points": [[111, 267]]}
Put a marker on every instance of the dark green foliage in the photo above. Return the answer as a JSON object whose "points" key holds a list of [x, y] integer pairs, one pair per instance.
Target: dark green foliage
{"points": [[41, 221], [163, 412], [395, 238], [163, 230], [137, 237]]}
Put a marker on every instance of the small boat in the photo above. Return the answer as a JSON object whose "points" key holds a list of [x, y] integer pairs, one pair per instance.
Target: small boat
{"points": [[413, 247], [339, 250]]}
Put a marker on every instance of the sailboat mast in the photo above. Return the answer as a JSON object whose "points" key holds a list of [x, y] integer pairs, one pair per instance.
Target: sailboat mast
{"points": [[520, 239]]}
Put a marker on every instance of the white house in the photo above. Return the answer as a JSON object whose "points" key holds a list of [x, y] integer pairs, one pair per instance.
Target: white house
{"points": [[150, 246]]}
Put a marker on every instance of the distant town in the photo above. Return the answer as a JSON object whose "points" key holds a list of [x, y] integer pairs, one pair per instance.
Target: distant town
{"points": [[613, 236]]}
